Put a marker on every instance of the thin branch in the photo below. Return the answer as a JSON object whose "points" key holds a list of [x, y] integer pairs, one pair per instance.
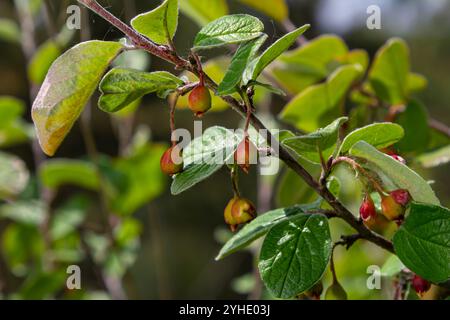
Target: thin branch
{"points": [[439, 126], [165, 53]]}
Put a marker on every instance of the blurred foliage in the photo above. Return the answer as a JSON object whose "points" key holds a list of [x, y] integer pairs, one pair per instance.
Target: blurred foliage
{"points": [[149, 235]]}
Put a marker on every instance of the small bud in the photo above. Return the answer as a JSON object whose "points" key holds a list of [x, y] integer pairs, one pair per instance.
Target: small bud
{"points": [[246, 154], [420, 285], [367, 210], [398, 158], [335, 292], [171, 161], [391, 209], [401, 196], [200, 100], [239, 211]]}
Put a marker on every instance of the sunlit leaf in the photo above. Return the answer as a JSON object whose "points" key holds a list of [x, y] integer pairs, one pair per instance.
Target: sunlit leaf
{"points": [[274, 51], [422, 243], [318, 105], [160, 24], [204, 11], [228, 30], [68, 86], [120, 87]]}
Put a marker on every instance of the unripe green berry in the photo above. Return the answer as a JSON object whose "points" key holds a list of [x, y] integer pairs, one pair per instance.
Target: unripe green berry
{"points": [[200, 100]]}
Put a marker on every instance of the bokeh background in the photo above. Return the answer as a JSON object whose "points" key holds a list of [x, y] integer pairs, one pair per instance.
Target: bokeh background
{"points": [[182, 234]]}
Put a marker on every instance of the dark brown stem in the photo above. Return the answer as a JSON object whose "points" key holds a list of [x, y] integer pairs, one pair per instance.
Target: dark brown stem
{"points": [[165, 53]]}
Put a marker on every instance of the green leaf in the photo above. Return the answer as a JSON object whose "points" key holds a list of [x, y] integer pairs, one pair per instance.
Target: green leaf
{"points": [[10, 109], [69, 217], [9, 31], [59, 172], [319, 104], [323, 140], [295, 254], [402, 176], [422, 243], [160, 24], [416, 82], [69, 84], [227, 30], [292, 189], [13, 176], [392, 266], [120, 87], [143, 179], [26, 212], [15, 133], [316, 55], [274, 51], [245, 53], [42, 60], [435, 158], [21, 244], [204, 156], [414, 121], [268, 87], [297, 69], [276, 9], [259, 227], [134, 59], [204, 11], [379, 135], [389, 73]]}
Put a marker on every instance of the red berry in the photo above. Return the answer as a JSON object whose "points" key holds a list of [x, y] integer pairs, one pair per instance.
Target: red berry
{"points": [[239, 211], [367, 210], [171, 161], [200, 100], [245, 154], [420, 285], [401, 196]]}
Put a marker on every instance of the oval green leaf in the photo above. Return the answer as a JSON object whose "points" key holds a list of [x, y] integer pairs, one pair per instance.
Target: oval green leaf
{"points": [[274, 51], [402, 176], [295, 254], [422, 242], [379, 135], [120, 87], [160, 24], [227, 30], [259, 227]]}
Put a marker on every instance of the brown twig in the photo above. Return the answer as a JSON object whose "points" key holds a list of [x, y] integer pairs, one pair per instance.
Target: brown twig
{"points": [[165, 53]]}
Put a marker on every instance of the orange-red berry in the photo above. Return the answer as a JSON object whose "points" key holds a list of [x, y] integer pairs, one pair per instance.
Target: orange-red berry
{"points": [[200, 100], [171, 161], [239, 211], [246, 154]]}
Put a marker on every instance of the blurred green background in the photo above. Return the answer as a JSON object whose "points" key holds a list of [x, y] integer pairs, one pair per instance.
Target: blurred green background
{"points": [[182, 234]]}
